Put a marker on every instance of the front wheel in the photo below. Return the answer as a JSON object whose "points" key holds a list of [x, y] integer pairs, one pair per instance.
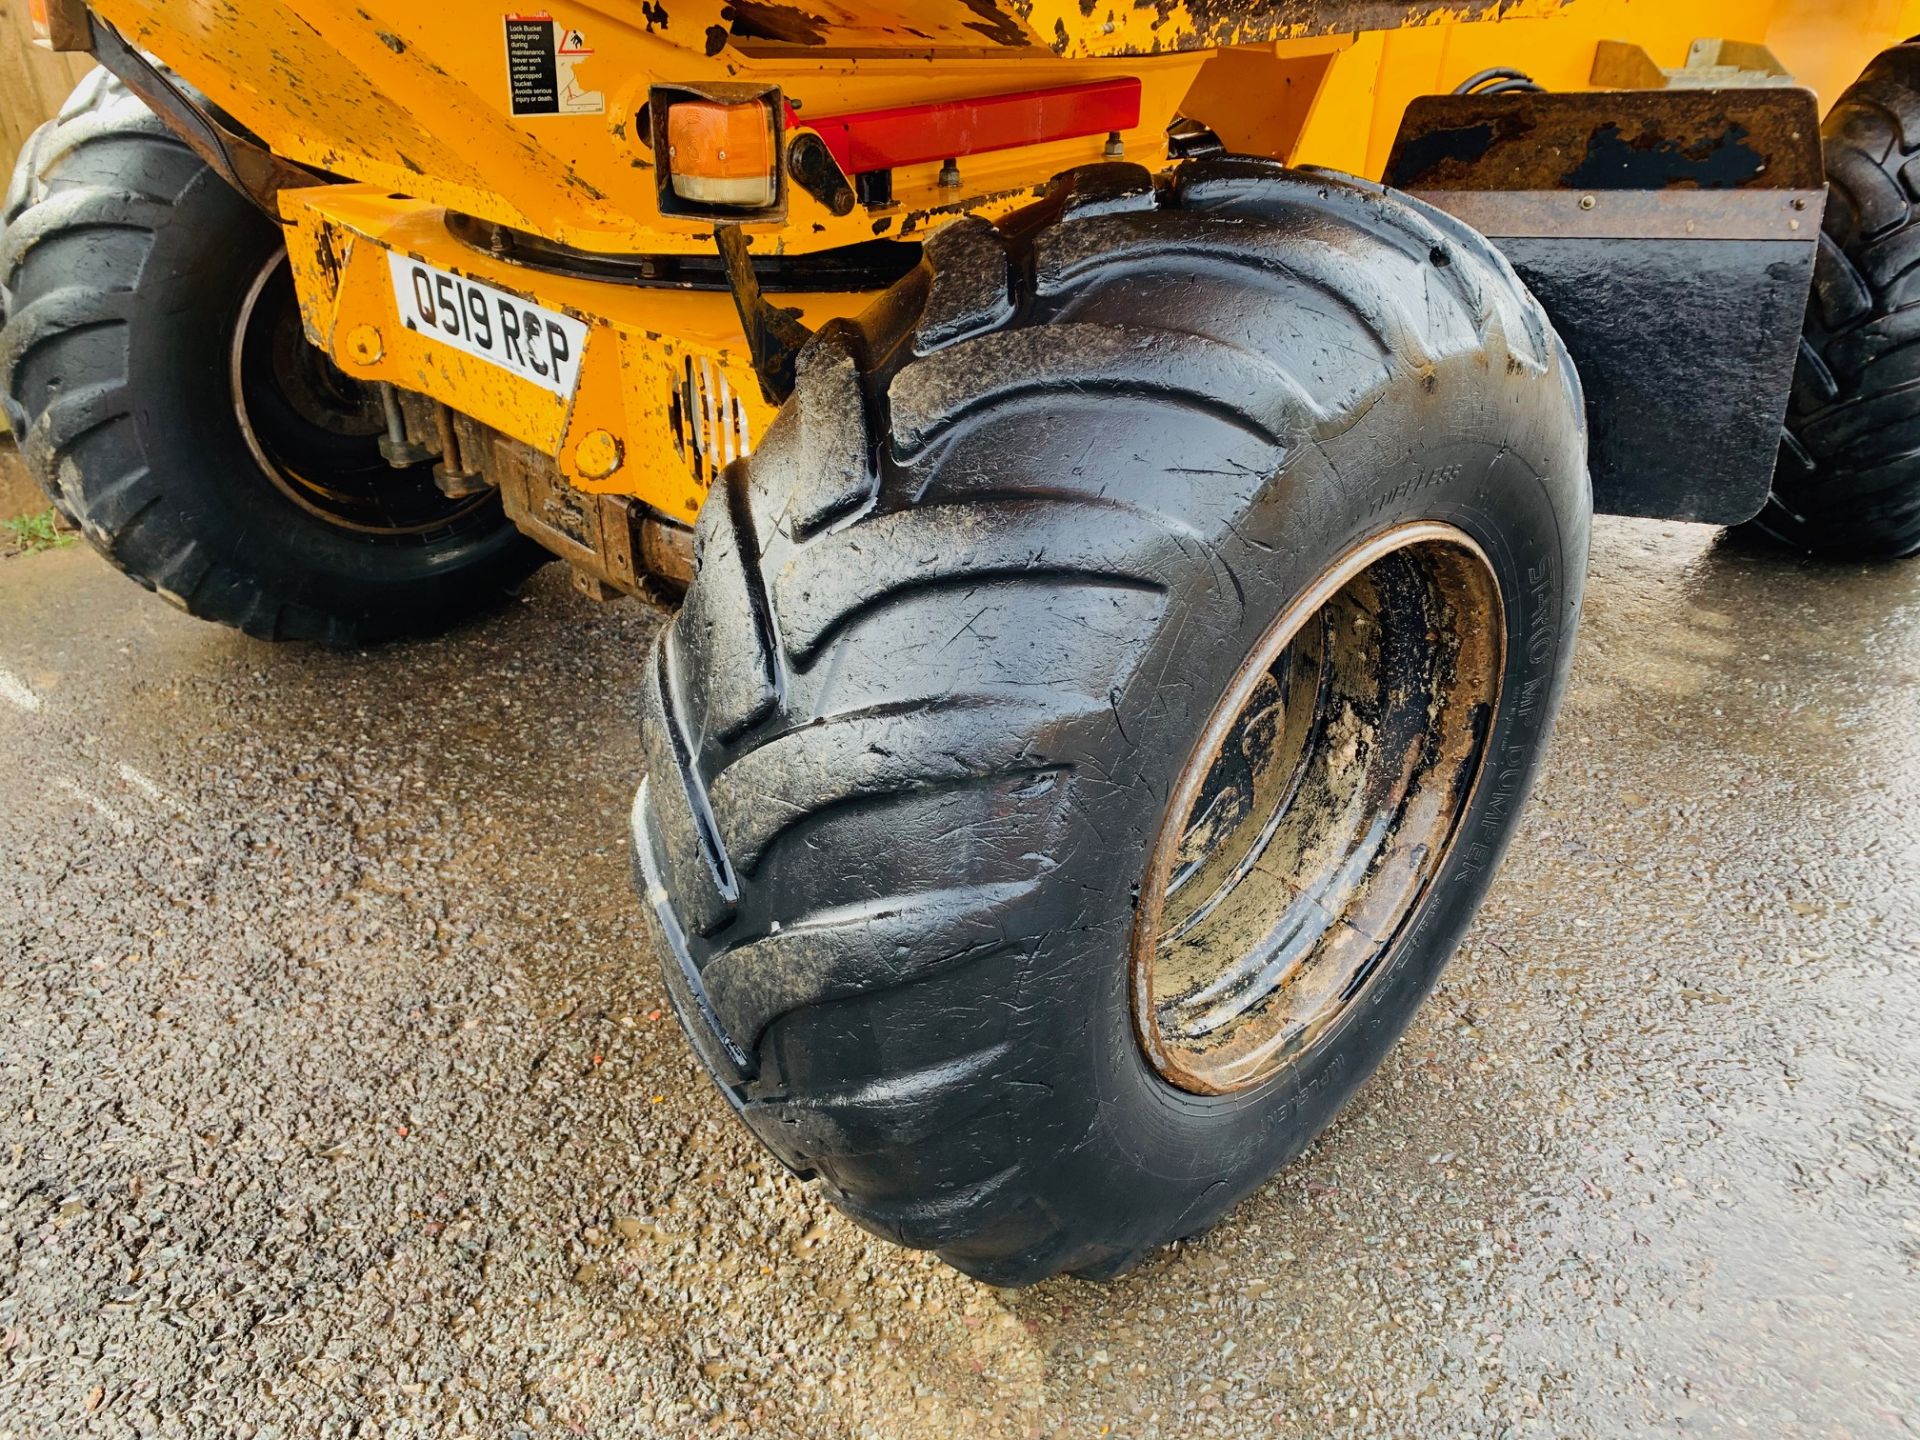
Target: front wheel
{"points": [[156, 373], [1103, 700]]}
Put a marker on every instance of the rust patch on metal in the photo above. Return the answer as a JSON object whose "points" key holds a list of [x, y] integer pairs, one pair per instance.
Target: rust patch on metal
{"points": [[932, 215], [609, 538], [666, 552], [1000, 27], [1180, 25], [1321, 801], [781, 24], [1763, 139], [328, 262]]}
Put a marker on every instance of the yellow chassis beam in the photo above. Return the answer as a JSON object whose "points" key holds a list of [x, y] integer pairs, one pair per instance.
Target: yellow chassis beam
{"points": [[661, 374]]}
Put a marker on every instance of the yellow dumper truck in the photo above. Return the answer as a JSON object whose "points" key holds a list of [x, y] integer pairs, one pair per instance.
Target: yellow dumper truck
{"points": [[1124, 467]]}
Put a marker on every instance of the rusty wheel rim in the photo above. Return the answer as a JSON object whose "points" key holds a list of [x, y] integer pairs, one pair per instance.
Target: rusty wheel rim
{"points": [[314, 431], [1322, 797]]}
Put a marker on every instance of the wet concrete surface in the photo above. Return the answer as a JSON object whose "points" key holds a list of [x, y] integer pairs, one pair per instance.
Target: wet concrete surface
{"points": [[338, 1096]]}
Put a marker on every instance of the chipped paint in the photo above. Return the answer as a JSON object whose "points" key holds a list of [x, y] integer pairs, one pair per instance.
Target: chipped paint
{"points": [[768, 20], [1157, 27]]}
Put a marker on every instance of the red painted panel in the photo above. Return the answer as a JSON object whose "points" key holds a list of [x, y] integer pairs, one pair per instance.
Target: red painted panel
{"points": [[917, 134]]}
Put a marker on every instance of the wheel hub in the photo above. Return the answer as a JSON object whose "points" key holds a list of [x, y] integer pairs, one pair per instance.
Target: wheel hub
{"points": [[315, 430], [1320, 801]]}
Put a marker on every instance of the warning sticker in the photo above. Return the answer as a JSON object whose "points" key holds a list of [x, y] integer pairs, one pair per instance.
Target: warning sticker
{"points": [[541, 54]]}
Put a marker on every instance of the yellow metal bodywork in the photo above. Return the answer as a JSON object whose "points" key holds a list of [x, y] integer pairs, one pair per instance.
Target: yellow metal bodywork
{"points": [[411, 102], [640, 345]]}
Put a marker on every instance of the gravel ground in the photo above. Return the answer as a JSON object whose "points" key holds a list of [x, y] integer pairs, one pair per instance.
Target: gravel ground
{"points": [[338, 1096]]}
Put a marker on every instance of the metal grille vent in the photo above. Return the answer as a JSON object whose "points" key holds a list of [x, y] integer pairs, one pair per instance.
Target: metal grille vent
{"points": [[710, 427]]}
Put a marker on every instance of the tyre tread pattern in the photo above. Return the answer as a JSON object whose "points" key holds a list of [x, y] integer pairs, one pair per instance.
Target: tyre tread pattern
{"points": [[1848, 480], [855, 514], [92, 191]]}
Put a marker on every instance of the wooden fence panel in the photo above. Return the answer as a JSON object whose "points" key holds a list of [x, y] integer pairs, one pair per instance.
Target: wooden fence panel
{"points": [[33, 82]]}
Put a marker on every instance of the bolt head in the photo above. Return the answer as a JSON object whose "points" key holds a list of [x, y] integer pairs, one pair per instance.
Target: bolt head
{"points": [[364, 345], [598, 455]]}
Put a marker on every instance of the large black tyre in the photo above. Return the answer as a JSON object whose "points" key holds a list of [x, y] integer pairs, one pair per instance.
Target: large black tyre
{"points": [[957, 624], [1848, 481], [127, 268]]}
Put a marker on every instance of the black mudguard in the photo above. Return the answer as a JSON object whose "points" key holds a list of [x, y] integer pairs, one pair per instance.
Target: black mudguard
{"points": [[1671, 237]]}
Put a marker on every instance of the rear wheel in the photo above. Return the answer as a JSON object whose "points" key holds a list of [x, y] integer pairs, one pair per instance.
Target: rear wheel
{"points": [[165, 395], [1103, 699], [1848, 481]]}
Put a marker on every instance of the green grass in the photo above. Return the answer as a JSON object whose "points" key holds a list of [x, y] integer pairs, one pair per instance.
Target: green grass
{"points": [[34, 532]]}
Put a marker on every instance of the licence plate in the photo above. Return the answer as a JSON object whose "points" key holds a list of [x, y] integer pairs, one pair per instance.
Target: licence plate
{"points": [[522, 338]]}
